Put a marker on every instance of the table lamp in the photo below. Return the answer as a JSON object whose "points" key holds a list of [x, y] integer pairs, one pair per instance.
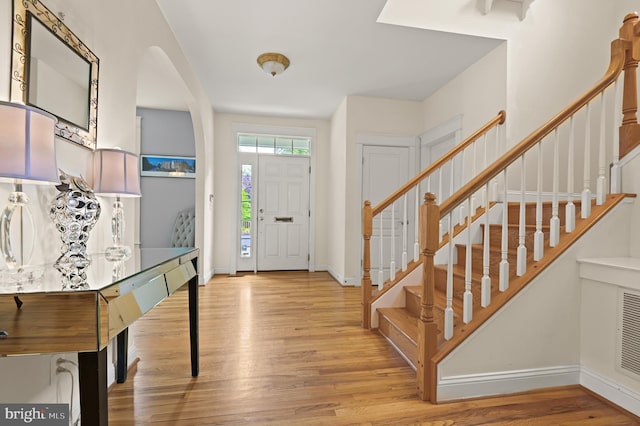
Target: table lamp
{"points": [[27, 155], [116, 174]]}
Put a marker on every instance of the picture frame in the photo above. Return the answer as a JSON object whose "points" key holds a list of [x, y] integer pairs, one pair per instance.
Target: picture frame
{"points": [[167, 166]]}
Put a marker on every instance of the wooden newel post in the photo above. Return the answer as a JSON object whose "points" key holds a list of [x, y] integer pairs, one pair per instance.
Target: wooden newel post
{"points": [[367, 230], [427, 328], [630, 129]]}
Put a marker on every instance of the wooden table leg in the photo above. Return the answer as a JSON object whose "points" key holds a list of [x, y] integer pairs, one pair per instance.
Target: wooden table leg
{"points": [[94, 403]]}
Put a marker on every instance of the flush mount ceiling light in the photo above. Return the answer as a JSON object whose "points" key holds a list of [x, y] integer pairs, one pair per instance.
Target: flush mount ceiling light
{"points": [[273, 63]]}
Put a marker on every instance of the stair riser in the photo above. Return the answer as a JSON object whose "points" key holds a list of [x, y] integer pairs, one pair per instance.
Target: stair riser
{"points": [[547, 212], [412, 303], [513, 237], [459, 287], [405, 345], [413, 306]]}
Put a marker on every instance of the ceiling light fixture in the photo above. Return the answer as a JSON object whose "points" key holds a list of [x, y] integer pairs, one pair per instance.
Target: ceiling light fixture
{"points": [[273, 63]]}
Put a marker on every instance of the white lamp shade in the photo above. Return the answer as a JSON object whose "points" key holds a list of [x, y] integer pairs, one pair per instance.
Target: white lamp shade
{"points": [[27, 144], [116, 173]]}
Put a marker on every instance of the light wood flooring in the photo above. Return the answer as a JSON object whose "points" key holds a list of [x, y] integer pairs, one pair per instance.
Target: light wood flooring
{"points": [[287, 349]]}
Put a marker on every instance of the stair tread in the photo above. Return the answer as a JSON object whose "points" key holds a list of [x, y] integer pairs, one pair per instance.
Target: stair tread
{"points": [[402, 319], [440, 297]]}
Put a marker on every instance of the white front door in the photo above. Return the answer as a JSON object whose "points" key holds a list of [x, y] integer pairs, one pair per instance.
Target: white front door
{"points": [[384, 170], [283, 213]]}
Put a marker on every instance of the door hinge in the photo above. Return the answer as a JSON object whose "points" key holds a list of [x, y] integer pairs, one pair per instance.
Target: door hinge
{"points": [[308, 257], [309, 169]]}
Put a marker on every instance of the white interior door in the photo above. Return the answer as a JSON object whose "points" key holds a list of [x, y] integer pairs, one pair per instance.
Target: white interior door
{"points": [[283, 213], [384, 170]]}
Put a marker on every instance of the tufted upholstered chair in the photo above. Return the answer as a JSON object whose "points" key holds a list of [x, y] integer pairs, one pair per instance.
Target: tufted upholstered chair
{"points": [[184, 229]]}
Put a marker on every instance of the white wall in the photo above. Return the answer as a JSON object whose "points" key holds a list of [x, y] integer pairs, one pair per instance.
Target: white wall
{"points": [[372, 116], [478, 93], [164, 133], [119, 39], [599, 337], [227, 174], [556, 53], [337, 195]]}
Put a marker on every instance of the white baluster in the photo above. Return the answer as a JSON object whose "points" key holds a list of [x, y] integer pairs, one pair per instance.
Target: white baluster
{"points": [[463, 213], [485, 192], [504, 246], [448, 311], [392, 259], [617, 119], [485, 298], [570, 208], [585, 202], [439, 199], [494, 187], [538, 238], [467, 308], [473, 205], [601, 182], [522, 249], [380, 268], [405, 230], [554, 225], [416, 243]]}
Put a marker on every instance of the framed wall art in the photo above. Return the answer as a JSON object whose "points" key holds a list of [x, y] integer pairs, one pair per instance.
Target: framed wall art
{"points": [[167, 166]]}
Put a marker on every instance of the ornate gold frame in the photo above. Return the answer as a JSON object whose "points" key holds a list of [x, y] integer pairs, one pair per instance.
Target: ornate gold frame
{"points": [[20, 58]]}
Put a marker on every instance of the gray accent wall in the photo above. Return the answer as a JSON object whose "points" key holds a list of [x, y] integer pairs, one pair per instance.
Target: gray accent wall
{"points": [[164, 133]]}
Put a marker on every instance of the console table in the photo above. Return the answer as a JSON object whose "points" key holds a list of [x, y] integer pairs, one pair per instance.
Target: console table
{"points": [[40, 317]]}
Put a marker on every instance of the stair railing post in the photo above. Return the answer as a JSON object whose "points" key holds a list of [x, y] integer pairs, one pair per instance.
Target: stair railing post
{"points": [[427, 328], [367, 231], [630, 129]]}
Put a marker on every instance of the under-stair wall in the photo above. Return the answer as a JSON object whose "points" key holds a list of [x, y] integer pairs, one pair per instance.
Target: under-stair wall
{"points": [[534, 340]]}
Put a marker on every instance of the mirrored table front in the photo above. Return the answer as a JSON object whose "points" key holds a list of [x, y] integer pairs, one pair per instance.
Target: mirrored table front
{"points": [[46, 314]]}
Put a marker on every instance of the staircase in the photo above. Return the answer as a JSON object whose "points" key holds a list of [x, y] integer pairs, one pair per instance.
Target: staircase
{"points": [[461, 289], [399, 325]]}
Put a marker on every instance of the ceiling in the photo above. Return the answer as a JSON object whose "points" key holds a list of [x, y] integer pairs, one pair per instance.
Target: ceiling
{"points": [[336, 49]]}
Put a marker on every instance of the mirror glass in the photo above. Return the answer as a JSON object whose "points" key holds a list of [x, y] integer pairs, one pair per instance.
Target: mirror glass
{"points": [[58, 77], [53, 70]]}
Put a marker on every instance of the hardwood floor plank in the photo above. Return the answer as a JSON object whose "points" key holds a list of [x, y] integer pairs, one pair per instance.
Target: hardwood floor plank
{"points": [[287, 349]]}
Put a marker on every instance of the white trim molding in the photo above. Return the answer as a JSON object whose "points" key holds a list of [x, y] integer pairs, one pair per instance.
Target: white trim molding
{"points": [[610, 390], [311, 133], [506, 382]]}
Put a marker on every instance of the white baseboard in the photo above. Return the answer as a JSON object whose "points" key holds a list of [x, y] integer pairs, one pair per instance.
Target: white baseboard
{"points": [[487, 384], [342, 280], [207, 276], [352, 281], [221, 271], [336, 276], [612, 391]]}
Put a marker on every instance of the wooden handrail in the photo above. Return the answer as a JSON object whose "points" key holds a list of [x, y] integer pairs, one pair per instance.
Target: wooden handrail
{"points": [[368, 212], [497, 120], [614, 70]]}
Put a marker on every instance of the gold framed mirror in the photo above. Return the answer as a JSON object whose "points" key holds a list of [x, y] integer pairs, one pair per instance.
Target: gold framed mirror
{"points": [[52, 69]]}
